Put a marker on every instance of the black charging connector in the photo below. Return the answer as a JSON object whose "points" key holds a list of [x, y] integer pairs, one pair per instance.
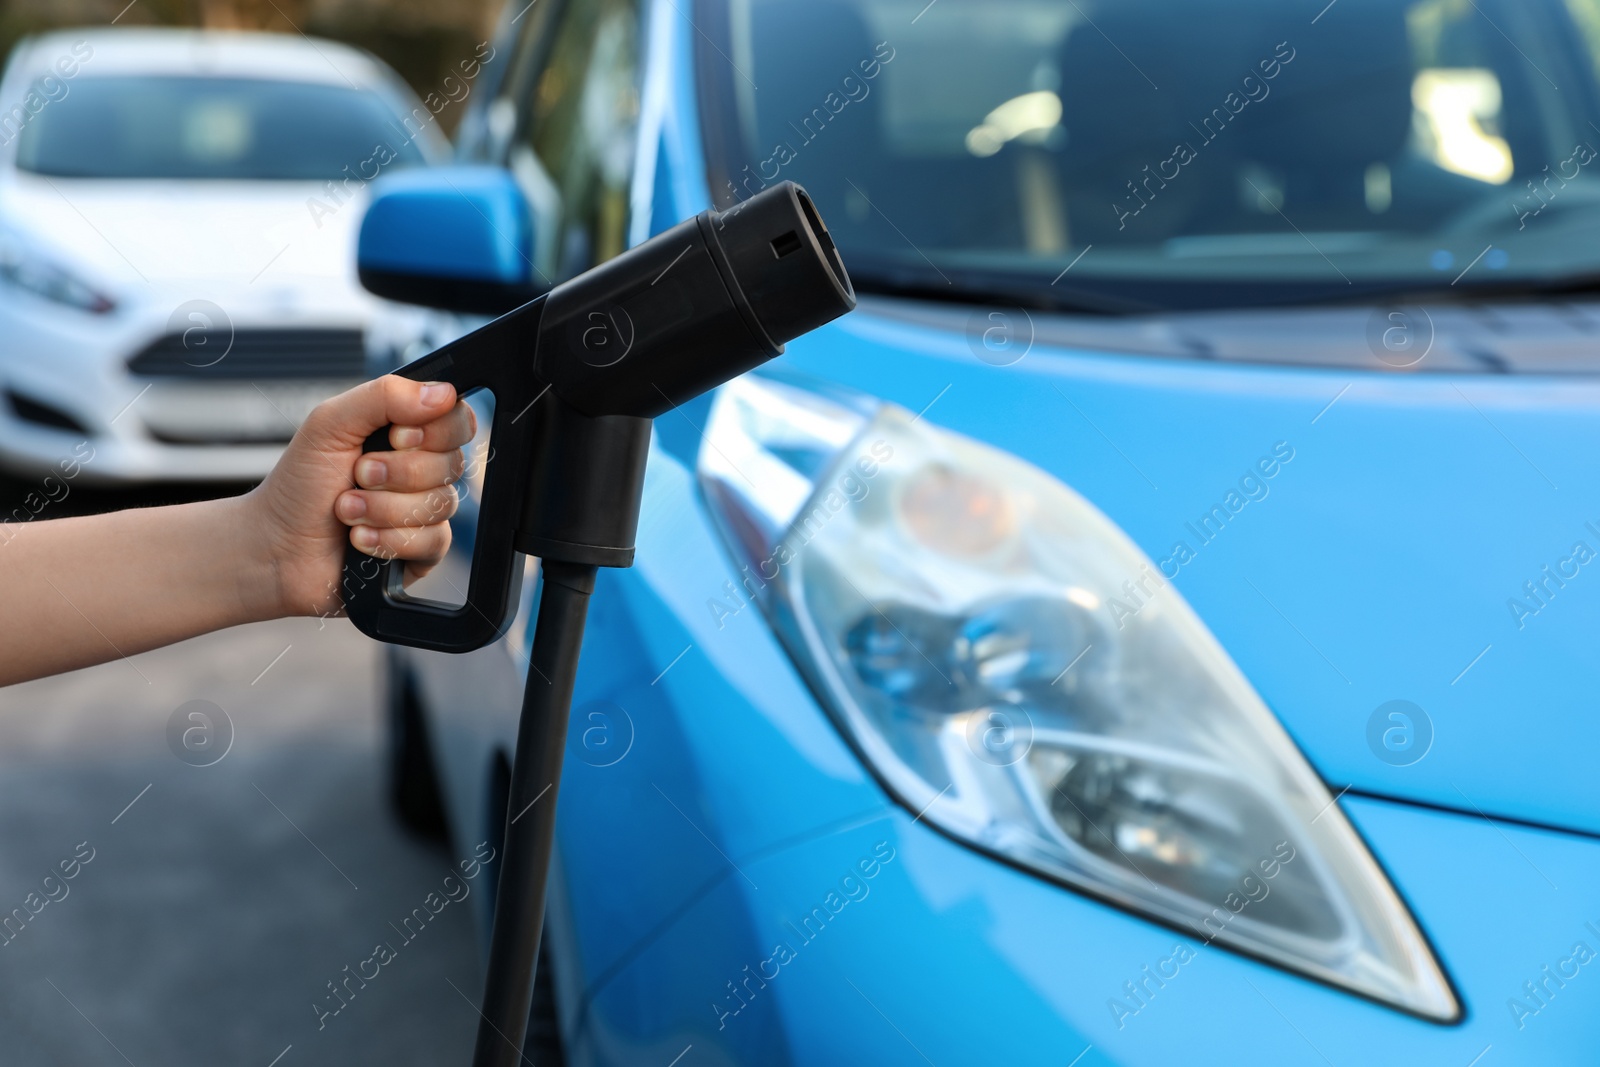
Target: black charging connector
{"points": [[577, 376]]}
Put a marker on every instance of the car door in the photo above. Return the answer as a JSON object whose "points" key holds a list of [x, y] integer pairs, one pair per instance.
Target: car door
{"points": [[562, 117], [565, 123]]}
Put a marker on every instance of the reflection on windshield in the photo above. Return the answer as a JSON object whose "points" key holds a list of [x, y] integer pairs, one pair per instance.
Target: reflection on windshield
{"points": [[1142, 150], [1456, 109], [223, 128]]}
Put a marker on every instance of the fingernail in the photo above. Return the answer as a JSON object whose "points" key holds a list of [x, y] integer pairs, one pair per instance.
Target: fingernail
{"points": [[364, 537], [372, 472], [406, 436], [352, 507], [434, 394]]}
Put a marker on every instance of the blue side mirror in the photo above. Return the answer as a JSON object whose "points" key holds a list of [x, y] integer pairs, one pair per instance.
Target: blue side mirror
{"points": [[457, 238]]}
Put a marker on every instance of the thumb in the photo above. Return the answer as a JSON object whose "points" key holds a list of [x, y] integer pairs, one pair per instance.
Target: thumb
{"points": [[347, 420]]}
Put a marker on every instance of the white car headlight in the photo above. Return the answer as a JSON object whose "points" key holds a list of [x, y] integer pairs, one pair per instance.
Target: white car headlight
{"points": [[947, 602], [23, 266]]}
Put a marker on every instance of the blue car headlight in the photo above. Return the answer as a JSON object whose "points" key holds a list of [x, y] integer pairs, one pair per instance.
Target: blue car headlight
{"points": [[949, 604]]}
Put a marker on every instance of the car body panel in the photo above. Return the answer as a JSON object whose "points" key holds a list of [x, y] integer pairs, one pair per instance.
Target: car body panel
{"points": [[707, 743], [948, 958], [172, 233], [655, 651], [1378, 566], [1361, 577]]}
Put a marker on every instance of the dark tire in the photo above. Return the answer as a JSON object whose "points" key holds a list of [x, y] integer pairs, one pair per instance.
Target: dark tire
{"points": [[413, 782]]}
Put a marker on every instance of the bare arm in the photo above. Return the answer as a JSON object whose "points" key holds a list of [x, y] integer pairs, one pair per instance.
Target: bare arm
{"points": [[84, 590]]}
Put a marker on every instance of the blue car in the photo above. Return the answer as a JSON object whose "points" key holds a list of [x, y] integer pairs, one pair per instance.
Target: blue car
{"points": [[1157, 626]]}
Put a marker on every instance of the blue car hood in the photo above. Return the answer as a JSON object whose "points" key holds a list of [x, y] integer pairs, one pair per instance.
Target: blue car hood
{"points": [[1386, 562]]}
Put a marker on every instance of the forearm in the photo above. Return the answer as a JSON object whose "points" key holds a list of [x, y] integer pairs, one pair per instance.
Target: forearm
{"points": [[79, 591], [74, 592]]}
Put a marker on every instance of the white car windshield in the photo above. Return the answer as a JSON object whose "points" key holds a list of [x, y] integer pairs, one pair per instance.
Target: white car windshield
{"points": [[1147, 154], [219, 128]]}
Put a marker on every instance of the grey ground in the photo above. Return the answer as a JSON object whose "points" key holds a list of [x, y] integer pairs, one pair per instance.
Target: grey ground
{"points": [[209, 920]]}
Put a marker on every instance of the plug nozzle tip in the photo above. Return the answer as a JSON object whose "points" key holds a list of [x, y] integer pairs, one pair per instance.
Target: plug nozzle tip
{"points": [[784, 261]]}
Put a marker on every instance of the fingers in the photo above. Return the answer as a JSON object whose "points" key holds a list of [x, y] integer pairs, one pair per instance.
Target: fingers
{"points": [[420, 546], [384, 509], [409, 472], [404, 497], [450, 430], [405, 526], [350, 417]]}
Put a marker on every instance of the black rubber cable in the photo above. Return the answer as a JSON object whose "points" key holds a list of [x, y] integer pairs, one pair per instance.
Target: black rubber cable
{"points": [[531, 813]]}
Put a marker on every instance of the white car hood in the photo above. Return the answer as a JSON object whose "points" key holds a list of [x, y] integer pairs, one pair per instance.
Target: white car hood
{"points": [[257, 248]]}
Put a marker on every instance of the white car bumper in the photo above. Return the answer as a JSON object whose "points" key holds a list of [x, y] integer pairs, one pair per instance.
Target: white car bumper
{"points": [[65, 379]]}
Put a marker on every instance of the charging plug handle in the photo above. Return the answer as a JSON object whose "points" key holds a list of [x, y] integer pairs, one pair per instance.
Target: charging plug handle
{"points": [[577, 376]]}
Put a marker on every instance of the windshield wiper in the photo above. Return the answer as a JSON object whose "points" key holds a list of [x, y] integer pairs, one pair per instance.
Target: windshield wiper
{"points": [[966, 287], [1570, 285], [1158, 295]]}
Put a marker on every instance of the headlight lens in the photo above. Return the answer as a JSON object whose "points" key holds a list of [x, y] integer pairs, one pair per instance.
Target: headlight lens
{"points": [[949, 604], [24, 267]]}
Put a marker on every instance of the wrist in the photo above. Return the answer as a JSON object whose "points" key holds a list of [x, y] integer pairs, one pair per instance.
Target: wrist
{"points": [[250, 557]]}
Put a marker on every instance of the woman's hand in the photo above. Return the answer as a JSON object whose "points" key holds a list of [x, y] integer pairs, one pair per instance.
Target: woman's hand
{"points": [[93, 587], [324, 492]]}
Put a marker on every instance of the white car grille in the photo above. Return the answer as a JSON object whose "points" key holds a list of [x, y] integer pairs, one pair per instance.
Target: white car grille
{"points": [[255, 354]]}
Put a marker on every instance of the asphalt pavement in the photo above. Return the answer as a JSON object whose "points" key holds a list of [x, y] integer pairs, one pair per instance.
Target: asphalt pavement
{"points": [[216, 891]]}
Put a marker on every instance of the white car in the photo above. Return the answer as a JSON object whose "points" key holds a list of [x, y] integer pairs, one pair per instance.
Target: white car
{"points": [[178, 216]]}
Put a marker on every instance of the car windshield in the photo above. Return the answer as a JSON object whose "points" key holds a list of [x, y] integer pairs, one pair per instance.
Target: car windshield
{"points": [[224, 128], [1142, 154]]}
